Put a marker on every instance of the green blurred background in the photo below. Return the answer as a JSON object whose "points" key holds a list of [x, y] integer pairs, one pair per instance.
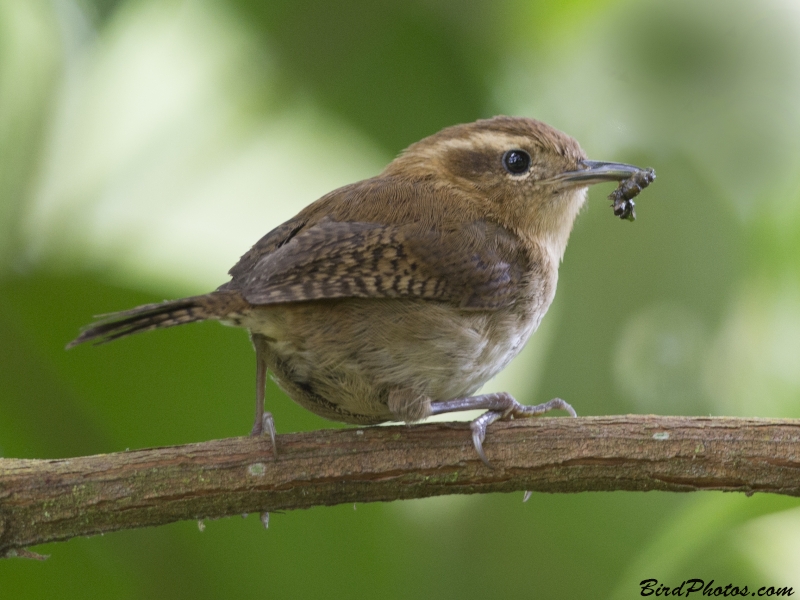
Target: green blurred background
{"points": [[146, 144]]}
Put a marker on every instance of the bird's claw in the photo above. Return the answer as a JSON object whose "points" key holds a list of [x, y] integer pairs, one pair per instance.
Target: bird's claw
{"points": [[266, 426], [555, 404], [478, 435], [268, 423]]}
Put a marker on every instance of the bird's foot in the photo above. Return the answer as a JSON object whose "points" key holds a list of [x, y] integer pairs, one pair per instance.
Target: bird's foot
{"points": [[514, 410], [499, 406]]}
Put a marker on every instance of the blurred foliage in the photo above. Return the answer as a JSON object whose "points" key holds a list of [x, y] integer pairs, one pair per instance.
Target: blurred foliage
{"points": [[145, 145]]}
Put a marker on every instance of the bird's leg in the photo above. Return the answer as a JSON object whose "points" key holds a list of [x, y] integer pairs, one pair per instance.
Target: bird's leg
{"points": [[498, 406], [264, 421]]}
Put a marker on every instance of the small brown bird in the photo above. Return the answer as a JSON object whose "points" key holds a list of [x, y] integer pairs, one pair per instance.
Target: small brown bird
{"points": [[395, 298]]}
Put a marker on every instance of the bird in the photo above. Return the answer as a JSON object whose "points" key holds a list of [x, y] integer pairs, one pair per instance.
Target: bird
{"points": [[397, 297]]}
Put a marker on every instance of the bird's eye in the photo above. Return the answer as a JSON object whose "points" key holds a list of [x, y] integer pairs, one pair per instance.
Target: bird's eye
{"points": [[517, 161]]}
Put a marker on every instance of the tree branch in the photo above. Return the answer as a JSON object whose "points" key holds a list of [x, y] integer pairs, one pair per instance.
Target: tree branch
{"points": [[48, 500]]}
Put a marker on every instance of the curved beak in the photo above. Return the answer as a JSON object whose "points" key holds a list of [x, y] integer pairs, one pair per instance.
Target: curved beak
{"points": [[594, 171]]}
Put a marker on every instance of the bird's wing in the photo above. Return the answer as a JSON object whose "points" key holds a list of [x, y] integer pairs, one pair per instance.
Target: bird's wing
{"points": [[472, 265]]}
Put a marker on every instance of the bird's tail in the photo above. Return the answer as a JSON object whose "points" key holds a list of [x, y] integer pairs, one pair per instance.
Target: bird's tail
{"points": [[112, 326]]}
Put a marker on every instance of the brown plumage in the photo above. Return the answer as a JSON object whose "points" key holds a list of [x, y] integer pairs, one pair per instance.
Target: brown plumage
{"points": [[397, 297]]}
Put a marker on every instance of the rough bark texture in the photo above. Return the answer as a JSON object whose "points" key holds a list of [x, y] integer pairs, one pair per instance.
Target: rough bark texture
{"points": [[48, 500]]}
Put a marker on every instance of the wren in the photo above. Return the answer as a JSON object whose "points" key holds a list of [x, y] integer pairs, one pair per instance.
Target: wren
{"points": [[397, 297]]}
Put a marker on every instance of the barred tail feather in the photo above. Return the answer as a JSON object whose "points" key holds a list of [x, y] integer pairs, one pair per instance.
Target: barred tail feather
{"points": [[148, 316]]}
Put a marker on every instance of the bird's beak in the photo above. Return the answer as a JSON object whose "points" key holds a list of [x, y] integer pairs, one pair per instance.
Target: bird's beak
{"points": [[593, 171]]}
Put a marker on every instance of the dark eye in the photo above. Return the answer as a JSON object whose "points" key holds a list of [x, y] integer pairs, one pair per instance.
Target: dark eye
{"points": [[516, 161]]}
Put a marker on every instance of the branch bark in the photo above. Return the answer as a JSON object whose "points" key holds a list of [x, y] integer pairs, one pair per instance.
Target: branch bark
{"points": [[48, 500]]}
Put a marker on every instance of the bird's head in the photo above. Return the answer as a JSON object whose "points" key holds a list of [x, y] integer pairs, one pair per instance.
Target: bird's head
{"points": [[524, 174]]}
